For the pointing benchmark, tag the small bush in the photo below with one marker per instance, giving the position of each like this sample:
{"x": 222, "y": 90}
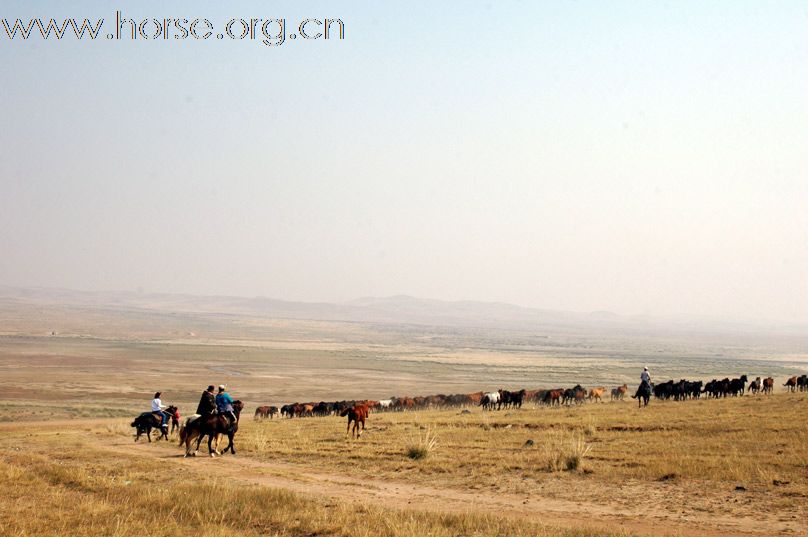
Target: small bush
{"x": 590, "y": 428}
{"x": 419, "y": 447}
{"x": 565, "y": 452}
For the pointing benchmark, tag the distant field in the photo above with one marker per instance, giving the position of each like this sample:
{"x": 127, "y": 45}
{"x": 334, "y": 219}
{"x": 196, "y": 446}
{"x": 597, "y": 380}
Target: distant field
{"x": 60, "y": 361}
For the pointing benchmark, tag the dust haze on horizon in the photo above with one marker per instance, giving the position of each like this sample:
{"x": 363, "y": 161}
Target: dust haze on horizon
{"x": 640, "y": 158}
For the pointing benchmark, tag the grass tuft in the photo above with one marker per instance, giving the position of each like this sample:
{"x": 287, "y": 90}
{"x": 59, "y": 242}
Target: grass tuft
{"x": 565, "y": 451}
{"x": 421, "y": 446}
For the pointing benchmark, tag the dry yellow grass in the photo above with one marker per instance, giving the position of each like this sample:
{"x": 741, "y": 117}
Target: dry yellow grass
{"x": 66, "y": 488}
{"x": 676, "y": 463}
{"x": 749, "y": 440}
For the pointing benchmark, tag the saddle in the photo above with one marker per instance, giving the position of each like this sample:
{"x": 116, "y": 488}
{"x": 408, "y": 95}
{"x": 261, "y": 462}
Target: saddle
{"x": 229, "y": 420}
{"x": 159, "y": 417}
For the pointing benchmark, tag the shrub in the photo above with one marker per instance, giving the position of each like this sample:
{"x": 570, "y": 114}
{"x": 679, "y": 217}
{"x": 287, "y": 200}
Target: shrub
{"x": 565, "y": 452}
{"x": 419, "y": 447}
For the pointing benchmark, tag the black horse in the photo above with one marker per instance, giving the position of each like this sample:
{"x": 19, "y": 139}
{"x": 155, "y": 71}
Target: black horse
{"x": 643, "y": 394}
{"x": 212, "y": 426}
{"x": 148, "y": 421}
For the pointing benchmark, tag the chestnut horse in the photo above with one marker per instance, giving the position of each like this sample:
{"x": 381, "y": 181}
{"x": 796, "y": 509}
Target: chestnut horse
{"x": 553, "y": 397}
{"x": 597, "y": 393}
{"x": 619, "y": 393}
{"x": 356, "y": 414}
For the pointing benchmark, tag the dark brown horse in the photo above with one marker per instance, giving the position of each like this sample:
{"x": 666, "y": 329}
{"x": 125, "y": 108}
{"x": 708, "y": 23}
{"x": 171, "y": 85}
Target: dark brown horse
{"x": 553, "y": 397}
{"x": 148, "y": 421}
{"x": 356, "y": 414}
{"x": 266, "y": 412}
{"x": 212, "y": 426}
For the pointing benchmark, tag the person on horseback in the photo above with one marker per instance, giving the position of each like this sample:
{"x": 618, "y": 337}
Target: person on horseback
{"x": 645, "y": 383}
{"x": 207, "y": 403}
{"x": 157, "y": 407}
{"x": 224, "y": 404}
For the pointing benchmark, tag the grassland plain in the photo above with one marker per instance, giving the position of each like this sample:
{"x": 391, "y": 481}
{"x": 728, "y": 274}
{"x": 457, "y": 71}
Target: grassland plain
{"x": 64, "y": 375}
{"x": 733, "y": 466}
{"x": 71, "y": 378}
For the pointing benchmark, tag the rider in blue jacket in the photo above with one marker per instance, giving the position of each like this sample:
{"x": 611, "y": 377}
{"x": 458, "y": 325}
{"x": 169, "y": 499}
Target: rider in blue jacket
{"x": 224, "y": 404}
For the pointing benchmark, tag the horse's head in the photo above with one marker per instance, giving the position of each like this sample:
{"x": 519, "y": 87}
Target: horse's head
{"x": 238, "y": 406}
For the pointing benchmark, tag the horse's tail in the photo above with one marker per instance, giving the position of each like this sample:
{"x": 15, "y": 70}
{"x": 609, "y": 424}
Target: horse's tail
{"x": 182, "y": 434}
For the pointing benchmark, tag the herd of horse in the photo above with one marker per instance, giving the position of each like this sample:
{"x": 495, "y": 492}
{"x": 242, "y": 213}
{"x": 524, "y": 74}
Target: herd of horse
{"x": 797, "y": 383}
{"x": 214, "y": 426}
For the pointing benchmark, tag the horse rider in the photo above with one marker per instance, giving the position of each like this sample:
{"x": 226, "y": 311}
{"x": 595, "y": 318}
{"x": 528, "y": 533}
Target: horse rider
{"x": 224, "y": 404}
{"x": 157, "y": 407}
{"x": 207, "y": 403}
{"x": 645, "y": 379}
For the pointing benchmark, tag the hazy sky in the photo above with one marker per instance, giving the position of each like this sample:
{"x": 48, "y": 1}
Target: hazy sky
{"x": 630, "y": 156}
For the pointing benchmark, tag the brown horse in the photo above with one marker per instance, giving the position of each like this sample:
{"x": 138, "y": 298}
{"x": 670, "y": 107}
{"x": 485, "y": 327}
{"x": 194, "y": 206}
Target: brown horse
{"x": 212, "y": 426}
{"x": 266, "y": 412}
{"x": 553, "y": 397}
{"x": 356, "y": 414}
{"x": 768, "y": 385}
{"x": 791, "y": 384}
{"x": 619, "y": 393}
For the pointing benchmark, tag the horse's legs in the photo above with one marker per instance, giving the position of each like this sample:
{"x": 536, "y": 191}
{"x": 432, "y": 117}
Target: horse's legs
{"x": 188, "y": 439}
{"x": 199, "y": 441}
{"x": 210, "y": 445}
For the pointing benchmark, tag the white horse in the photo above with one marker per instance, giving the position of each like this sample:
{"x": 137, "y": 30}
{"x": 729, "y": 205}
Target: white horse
{"x": 489, "y": 400}
{"x": 385, "y": 404}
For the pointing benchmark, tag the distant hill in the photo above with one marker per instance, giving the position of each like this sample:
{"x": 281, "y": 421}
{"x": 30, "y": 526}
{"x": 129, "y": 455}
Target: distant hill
{"x": 399, "y": 309}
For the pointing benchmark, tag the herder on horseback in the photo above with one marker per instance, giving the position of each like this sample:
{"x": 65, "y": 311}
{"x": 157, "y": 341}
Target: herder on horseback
{"x": 224, "y": 405}
{"x": 223, "y": 419}
{"x": 157, "y": 407}
{"x": 207, "y": 403}
{"x": 644, "y": 390}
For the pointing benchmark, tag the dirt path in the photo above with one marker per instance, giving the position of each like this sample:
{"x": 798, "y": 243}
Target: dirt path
{"x": 639, "y": 518}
